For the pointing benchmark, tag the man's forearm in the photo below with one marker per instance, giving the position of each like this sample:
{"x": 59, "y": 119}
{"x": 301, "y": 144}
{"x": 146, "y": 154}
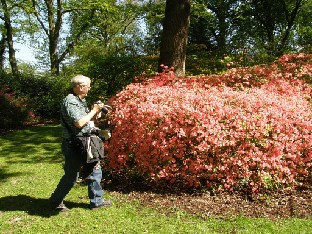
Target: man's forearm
{"x": 84, "y": 120}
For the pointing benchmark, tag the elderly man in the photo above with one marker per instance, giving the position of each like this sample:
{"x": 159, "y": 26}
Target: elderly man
{"x": 76, "y": 120}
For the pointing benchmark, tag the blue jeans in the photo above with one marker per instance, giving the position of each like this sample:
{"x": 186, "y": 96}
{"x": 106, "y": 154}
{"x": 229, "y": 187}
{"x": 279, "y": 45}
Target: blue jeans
{"x": 73, "y": 163}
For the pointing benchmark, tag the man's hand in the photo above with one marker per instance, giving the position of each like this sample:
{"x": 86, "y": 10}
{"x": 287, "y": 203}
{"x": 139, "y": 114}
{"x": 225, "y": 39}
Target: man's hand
{"x": 97, "y": 107}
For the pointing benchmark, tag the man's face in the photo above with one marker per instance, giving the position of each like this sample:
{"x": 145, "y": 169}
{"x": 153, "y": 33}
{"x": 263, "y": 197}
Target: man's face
{"x": 84, "y": 89}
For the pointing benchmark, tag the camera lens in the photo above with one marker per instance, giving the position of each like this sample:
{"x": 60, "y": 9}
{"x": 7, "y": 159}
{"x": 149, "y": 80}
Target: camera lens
{"x": 104, "y": 110}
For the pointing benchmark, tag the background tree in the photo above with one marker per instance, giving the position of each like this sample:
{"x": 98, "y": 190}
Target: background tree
{"x": 115, "y": 29}
{"x": 223, "y": 12}
{"x": 270, "y": 24}
{"x": 303, "y": 28}
{"x": 49, "y": 16}
{"x": 8, "y": 28}
{"x": 111, "y": 50}
{"x": 255, "y": 30}
{"x": 153, "y": 15}
{"x": 174, "y": 35}
{"x": 2, "y": 51}
{"x": 62, "y": 31}
{"x": 200, "y": 24}
{"x": 211, "y": 24}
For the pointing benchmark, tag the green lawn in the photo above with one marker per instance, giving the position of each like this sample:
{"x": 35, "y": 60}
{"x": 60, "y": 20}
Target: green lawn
{"x": 30, "y": 168}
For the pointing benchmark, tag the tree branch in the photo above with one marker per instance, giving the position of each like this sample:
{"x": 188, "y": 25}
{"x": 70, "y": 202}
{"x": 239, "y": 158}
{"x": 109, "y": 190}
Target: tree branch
{"x": 76, "y": 38}
{"x": 38, "y": 18}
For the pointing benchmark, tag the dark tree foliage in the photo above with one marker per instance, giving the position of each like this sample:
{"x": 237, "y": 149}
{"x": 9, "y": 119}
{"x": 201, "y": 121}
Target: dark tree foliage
{"x": 262, "y": 30}
{"x": 276, "y": 19}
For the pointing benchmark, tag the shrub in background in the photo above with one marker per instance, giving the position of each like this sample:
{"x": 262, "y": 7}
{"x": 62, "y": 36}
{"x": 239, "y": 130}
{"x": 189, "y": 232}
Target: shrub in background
{"x": 110, "y": 73}
{"x": 46, "y": 94}
{"x": 13, "y": 111}
{"x": 41, "y": 94}
{"x": 199, "y": 61}
{"x": 247, "y": 129}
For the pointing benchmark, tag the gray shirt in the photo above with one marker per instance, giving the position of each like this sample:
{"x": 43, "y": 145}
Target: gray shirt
{"x": 73, "y": 109}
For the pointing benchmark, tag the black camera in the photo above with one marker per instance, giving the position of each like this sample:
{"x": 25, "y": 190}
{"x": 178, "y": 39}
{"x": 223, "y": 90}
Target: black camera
{"x": 105, "y": 108}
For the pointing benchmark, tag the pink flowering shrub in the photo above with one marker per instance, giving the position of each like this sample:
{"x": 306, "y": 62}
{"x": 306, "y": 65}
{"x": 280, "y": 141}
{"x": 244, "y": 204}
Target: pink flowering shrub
{"x": 249, "y": 128}
{"x": 14, "y": 112}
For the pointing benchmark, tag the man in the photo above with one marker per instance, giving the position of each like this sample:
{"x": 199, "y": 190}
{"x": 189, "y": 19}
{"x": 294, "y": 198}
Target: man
{"x": 76, "y": 120}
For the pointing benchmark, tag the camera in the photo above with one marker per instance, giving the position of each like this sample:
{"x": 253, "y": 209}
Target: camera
{"x": 105, "y": 108}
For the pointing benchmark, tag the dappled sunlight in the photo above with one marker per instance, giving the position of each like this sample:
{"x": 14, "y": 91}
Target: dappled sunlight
{"x": 5, "y": 174}
{"x": 32, "y": 145}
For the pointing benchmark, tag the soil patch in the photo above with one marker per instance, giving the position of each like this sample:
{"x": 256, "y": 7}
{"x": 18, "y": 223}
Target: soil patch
{"x": 283, "y": 203}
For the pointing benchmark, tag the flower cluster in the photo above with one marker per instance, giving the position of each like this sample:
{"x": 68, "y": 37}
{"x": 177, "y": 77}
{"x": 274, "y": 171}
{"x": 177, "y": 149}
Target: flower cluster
{"x": 249, "y": 128}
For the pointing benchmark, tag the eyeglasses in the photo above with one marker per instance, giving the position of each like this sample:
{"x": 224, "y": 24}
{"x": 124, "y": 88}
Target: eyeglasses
{"x": 88, "y": 86}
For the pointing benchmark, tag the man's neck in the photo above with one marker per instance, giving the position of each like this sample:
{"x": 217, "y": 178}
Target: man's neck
{"x": 81, "y": 96}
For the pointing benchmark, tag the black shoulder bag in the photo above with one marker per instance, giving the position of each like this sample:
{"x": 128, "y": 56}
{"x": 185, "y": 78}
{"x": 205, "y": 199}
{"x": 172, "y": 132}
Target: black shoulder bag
{"x": 91, "y": 144}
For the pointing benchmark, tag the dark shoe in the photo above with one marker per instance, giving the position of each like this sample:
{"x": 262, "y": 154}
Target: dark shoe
{"x": 105, "y": 204}
{"x": 60, "y": 207}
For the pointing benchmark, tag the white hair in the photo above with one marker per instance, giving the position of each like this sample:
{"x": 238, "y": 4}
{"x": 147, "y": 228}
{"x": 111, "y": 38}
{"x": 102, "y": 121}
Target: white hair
{"x": 80, "y": 79}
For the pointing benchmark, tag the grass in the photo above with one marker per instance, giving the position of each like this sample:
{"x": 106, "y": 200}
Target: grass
{"x": 30, "y": 168}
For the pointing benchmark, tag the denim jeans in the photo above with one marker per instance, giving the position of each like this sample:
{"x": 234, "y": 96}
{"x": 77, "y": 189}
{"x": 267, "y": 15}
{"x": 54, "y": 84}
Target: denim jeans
{"x": 73, "y": 162}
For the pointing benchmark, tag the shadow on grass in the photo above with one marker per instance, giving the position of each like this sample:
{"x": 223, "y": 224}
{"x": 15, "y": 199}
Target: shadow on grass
{"x": 33, "y": 206}
{"x": 4, "y": 175}
{"x": 32, "y": 145}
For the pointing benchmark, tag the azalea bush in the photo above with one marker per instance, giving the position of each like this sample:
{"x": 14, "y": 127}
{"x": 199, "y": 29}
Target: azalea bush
{"x": 14, "y": 110}
{"x": 247, "y": 129}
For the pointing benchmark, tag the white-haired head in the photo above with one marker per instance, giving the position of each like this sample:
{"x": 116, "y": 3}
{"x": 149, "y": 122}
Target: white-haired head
{"x": 80, "y": 80}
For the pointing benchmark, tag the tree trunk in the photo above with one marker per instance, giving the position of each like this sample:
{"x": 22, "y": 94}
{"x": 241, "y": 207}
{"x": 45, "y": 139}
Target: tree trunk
{"x": 52, "y": 28}
{"x": 290, "y": 16}
{"x": 2, "y": 51}
{"x": 221, "y": 39}
{"x": 9, "y": 37}
{"x": 221, "y": 10}
{"x": 174, "y": 36}
{"x": 55, "y": 22}
{"x": 276, "y": 18}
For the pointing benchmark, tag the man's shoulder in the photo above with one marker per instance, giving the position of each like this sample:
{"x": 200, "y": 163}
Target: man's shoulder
{"x": 70, "y": 98}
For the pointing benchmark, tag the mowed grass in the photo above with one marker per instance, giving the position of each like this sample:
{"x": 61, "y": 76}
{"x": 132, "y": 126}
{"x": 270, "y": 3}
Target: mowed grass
{"x": 30, "y": 168}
